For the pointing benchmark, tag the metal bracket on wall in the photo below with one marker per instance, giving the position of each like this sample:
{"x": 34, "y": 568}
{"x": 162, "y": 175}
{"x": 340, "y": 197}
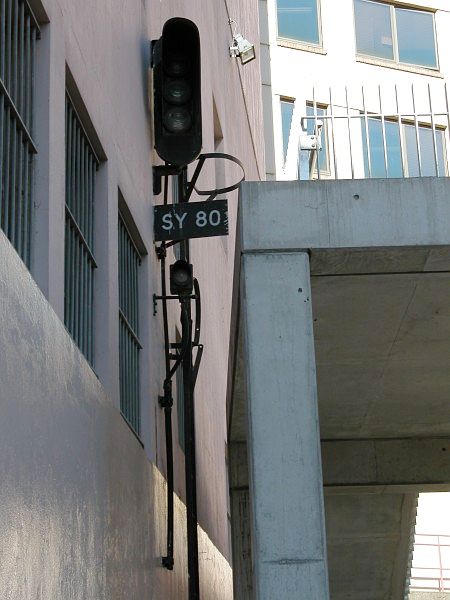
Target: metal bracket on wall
{"x": 161, "y": 171}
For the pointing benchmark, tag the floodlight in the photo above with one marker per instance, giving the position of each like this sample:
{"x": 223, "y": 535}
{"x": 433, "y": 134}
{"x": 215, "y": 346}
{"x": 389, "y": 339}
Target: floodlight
{"x": 241, "y": 47}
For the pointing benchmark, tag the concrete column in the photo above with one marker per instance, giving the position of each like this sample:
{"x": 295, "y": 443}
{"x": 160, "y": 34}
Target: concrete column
{"x": 286, "y": 495}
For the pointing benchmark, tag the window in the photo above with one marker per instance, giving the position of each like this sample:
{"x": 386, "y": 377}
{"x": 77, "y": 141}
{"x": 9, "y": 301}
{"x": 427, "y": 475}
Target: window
{"x": 403, "y": 145}
{"x": 287, "y": 110}
{"x": 299, "y": 20}
{"x": 401, "y": 35}
{"x": 18, "y": 33}
{"x": 129, "y": 344}
{"x": 81, "y": 167}
{"x": 322, "y": 155}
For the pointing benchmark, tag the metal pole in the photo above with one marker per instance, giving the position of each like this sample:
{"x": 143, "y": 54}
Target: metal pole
{"x": 189, "y": 426}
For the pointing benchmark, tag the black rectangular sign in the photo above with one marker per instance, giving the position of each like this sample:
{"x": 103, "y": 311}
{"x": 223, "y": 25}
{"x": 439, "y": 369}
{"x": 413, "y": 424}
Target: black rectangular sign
{"x": 190, "y": 220}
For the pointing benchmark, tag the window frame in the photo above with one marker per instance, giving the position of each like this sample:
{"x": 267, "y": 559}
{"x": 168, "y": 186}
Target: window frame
{"x": 401, "y": 126}
{"x": 395, "y": 62}
{"x": 441, "y": 129}
{"x": 319, "y": 172}
{"x": 290, "y": 101}
{"x": 302, "y": 44}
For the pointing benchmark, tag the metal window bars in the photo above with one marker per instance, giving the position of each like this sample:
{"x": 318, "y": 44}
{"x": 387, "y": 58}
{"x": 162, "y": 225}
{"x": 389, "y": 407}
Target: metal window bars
{"x": 358, "y": 134}
{"x": 129, "y": 343}
{"x": 81, "y": 167}
{"x": 19, "y": 31}
{"x": 433, "y": 574}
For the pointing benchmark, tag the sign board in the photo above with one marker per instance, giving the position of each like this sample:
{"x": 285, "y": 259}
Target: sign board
{"x": 190, "y": 220}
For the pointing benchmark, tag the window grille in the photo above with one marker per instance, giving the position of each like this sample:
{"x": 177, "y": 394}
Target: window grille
{"x": 129, "y": 344}
{"x": 18, "y": 33}
{"x": 81, "y": 167}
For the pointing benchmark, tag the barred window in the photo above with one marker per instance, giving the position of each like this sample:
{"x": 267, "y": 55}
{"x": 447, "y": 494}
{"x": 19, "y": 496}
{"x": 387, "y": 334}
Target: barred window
{"x": 81, "y": 167}
{"x": 129, "y": 344}
{"x": 18, "y": 33}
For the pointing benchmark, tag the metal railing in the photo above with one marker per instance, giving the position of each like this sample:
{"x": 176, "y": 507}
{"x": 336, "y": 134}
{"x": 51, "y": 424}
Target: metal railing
{"x": 435, "y": 574}
{"x": 369, "y": 131}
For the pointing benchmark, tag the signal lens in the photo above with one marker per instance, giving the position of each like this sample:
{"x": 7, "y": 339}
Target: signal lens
{"x": 176, "y": 65}
{"x": 177, "y": 120}
{"x": 177, "y": 91}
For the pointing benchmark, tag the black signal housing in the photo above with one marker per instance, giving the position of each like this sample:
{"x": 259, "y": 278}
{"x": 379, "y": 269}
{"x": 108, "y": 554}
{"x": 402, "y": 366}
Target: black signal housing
{"x": 177, "y": 92}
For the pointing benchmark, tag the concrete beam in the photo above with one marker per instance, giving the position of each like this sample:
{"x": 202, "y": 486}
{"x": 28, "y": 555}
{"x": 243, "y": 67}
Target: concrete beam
{"x": 345, "y": 214}
{"x": 417, "y": 462}
{"x": 403, "y": 465}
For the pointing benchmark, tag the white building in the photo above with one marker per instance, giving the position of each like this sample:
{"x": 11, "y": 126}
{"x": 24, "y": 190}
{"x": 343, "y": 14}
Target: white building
{"x": 373, "y": 72}
{"x": 83, "y": 500}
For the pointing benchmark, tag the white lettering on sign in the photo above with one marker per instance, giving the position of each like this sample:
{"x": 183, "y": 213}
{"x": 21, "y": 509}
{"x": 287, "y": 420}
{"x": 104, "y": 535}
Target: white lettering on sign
{"x": 181, "y": 219}
{"x": 184, "y": 221}
{"x": 214, "y": 218}
{"x": 175, "y": 220}
{"x": 167, "y": 220}
{"x": 201, "y": 221}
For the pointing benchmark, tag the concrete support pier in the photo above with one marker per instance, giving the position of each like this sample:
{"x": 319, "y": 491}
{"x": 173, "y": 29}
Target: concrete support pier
{"x": 286, "y": 491}
{"x": 374, "y": 338}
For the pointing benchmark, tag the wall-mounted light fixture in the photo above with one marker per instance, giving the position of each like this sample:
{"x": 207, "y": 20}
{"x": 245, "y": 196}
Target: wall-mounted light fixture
{"x": 241, "y": 47}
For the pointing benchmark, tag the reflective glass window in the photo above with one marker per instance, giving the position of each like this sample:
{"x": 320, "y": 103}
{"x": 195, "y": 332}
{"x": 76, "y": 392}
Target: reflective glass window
{"x": 389, "y": 32}
{"x": 415, "y": 35}
{"x": 298, "y": 20}
{"x": 392, "y": 165}
{"x": 374, "y": 29}
{"x": 287, "y": 110}
{"x": 427, "y": 155}
{"x": 381, "y": 166}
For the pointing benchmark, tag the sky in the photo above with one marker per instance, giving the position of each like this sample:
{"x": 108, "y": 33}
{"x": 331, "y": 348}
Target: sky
{"x": 433, "y": 518}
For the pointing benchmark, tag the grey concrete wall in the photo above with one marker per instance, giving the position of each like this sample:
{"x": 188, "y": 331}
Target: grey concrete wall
{"x": 84, "y": 505}
{"x": 82, "y": 510}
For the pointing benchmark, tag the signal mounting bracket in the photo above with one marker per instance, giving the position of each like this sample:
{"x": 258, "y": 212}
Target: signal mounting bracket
{"x": 161, "y": 171}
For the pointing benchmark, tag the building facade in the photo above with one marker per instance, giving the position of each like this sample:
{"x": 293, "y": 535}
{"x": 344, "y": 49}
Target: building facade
{"x": 84, "y": 493}
{"x": 368, "y": 78}
{"x": 331, "y": 445}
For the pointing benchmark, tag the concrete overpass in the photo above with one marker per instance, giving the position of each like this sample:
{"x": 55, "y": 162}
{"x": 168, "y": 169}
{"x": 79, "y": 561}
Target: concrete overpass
{"x": 342, "y": 296}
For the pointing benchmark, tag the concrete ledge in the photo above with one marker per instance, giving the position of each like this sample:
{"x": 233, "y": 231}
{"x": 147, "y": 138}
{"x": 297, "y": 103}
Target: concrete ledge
{"x": 345, "y": 214}
{"x": 399, "y": 465}
{"x": 429, "y": 596}
{"x": 416, "y": 462}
